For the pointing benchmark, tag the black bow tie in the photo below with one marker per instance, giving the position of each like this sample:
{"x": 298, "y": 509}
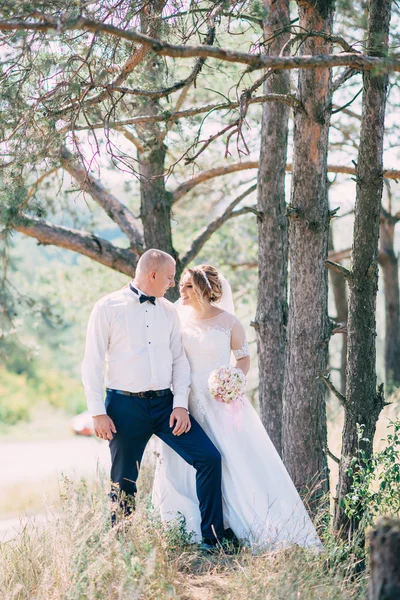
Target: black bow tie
{"x": 143, "y": 297}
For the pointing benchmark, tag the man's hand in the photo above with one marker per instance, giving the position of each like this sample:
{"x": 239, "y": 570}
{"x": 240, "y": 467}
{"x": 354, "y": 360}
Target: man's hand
{"x": 180, "y": 417}
{"x": 104, "y": 427}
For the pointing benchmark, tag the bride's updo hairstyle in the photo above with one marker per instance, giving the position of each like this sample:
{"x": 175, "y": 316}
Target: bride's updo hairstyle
{"x": 206, "y": 283}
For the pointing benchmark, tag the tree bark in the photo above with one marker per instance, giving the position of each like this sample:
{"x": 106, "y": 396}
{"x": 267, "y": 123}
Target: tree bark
{"x": 340, "y": 294}
{"x": 384, "y": 582}
{"x": 271, "y": 315}
{"x": 155, "y": 202}
{"x": 304, "y": 411}
{"x": 363, "y": 401}
{"x": 390, "y": 269}
{"x": 155, "y": 206}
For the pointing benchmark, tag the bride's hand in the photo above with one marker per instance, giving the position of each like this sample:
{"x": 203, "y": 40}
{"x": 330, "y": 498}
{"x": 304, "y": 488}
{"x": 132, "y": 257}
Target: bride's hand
{"x": 180, "y": 417}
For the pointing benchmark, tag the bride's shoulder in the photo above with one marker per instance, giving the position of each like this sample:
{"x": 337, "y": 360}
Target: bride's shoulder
{"x": 229, "y": 320}
{"x": 227, "y": 317}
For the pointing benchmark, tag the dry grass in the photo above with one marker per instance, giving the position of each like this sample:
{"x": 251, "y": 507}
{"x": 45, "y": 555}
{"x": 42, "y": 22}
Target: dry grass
{"x": 75, "y": 555}
{"x": 27, "y": 497}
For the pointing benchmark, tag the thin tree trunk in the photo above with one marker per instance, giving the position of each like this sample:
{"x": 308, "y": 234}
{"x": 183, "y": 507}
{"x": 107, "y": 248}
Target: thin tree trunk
{"x": 340, "y": 294}
{"x": 390, "y": 269}
{"x": 271, "y": 312}
{"x": 304, "y": 411}
{"x": 364, "y": 402}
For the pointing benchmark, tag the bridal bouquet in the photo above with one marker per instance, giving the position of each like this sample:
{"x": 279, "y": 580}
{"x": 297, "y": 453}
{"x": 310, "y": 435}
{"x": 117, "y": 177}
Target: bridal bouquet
{"x": 227, "y": 384}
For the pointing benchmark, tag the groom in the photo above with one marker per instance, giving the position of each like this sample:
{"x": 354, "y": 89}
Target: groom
{"x": 137, "y": 332}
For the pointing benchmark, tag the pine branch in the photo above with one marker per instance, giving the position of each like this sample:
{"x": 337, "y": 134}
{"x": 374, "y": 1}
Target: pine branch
{"x": 184, "y": 188}
{"x": 132, "y": 62}
{"x": 130, "y": 137}
{"x": 246, "y": 210}
{"x": 339, "y": 327}
{"x": 228, "y": 14}
{"x": 326, "y": 379}
{"x": 191, "y": 112}
{"x": 207, "y": 232}
{"x": 255, "y": 61}
{"x": 154, "y": 94}
{"x": 332, "y": 456}
{"x": 329, "y": 264}
{"x": 89, "y": 245}
{"x": 117, "y": 211}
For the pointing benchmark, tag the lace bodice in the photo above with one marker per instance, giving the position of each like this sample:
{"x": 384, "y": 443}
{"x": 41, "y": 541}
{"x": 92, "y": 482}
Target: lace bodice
{"x": 207, "y": 342}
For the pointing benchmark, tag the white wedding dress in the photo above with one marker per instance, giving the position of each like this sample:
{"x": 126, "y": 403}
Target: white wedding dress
{"x": 260, "y": 503}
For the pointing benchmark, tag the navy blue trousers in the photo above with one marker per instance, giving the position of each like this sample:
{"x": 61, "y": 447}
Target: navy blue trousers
{"x": 136, "y": 420}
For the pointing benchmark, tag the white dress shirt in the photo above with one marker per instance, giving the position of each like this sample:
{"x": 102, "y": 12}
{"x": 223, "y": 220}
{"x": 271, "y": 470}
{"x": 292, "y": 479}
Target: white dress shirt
{"x": 141, "y": 346}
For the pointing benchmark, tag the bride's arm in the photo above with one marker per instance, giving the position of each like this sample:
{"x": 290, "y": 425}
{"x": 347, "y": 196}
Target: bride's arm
{"x": 240, "y": 347}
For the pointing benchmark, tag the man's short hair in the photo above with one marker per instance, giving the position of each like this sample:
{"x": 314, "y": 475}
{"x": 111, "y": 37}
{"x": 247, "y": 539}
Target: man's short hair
{"x": 153, "y": 260}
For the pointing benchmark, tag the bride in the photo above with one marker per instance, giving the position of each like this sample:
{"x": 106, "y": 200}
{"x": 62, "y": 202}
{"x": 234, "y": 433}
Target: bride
{"x": 261, "y": 505}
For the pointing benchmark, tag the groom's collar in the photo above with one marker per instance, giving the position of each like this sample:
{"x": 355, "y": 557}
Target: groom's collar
{"x": 139, "y": 291}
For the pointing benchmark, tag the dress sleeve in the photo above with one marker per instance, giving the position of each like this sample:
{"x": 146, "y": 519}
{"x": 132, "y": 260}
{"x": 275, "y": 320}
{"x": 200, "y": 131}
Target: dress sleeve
{"x": 239, "y": 345}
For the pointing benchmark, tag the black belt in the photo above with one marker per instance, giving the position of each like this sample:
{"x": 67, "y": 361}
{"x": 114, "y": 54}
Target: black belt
{"x": 148, "y": 394}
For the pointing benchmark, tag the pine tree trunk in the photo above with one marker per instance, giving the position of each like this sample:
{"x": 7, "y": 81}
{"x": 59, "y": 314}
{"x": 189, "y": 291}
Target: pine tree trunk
{"x": 390, "y": 266}
{"x": 155, "y": 202}
{"x": 340, "y": 294}
{"x": 364, "y": 402}
{"x": 271, "y": 312}
{"x": 304, "y": 411}
{"x": 155, "y": 207}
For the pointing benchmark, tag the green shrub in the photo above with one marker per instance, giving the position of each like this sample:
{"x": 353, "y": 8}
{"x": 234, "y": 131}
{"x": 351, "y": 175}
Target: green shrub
{"x": 16, "y": 398}
{"x": 59, "y": 390}
{"x": 376, "y": 480}
{"x": 20, "y": 394}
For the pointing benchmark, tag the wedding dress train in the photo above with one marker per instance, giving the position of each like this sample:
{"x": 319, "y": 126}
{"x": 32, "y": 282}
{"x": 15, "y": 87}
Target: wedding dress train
{"x": 260, "y": 502}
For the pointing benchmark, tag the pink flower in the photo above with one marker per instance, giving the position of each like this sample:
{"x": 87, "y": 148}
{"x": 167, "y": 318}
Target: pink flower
{"x": 227, "y": 384}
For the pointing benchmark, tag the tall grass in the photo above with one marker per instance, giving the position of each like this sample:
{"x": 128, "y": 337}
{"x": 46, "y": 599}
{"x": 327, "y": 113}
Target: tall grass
{"x": 76, "y": 555}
